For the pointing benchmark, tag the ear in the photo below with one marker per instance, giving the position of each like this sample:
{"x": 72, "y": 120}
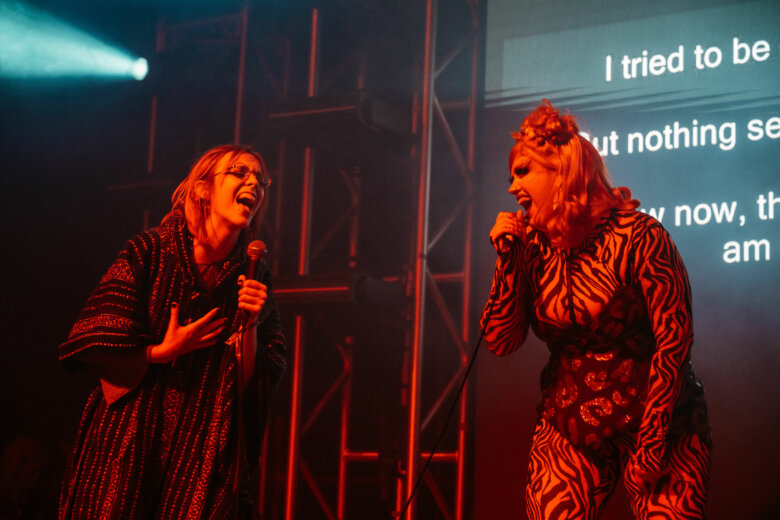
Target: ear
{"x": 202, "y": 190}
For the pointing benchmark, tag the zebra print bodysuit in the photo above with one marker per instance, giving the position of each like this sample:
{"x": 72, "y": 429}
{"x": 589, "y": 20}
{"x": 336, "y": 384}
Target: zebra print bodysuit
{"x": 615, "y": 313}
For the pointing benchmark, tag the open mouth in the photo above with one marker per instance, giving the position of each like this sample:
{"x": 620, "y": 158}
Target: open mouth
{"x": 524, "y": 201}
{"x": 246, "y": 199}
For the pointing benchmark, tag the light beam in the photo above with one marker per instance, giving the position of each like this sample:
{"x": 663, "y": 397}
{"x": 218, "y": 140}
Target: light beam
{"x": 34, "y": 44}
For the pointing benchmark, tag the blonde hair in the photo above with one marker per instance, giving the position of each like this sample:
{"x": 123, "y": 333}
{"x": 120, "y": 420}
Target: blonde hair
{"x": 582, "y": 191}
{"x": 187, "y": 204}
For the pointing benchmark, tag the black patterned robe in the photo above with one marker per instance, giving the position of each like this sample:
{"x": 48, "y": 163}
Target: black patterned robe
{"x": 160, "y": 440}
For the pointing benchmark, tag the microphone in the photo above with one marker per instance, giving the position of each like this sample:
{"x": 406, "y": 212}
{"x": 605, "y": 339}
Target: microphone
{"x": 255, "y": 251}
{"x": 506, "y": 241}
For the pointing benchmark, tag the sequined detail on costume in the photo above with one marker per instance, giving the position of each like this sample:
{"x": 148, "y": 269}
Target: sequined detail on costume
{"x": 619, "y": 399}
{"x": 567, "y": 393}
{"x": 597, "y": 381}
{"x": 600, "y": 406}
{"x": 624, "y": 371}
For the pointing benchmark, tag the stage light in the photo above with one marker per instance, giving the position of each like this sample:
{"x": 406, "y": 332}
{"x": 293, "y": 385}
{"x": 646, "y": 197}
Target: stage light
{"x": 140, "y": 68}
{"x": 34, "y": 44}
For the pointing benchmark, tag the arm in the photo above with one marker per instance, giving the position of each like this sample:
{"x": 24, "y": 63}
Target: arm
{"x": 263, "y": 341}
{"x": 252, "y": 297}
{"x": 506, "y": 316}
{"x": 660, "y": 272}
{"x": 182, "y": 339}
{"x": 109, "y": 335}
{"x": 269, "y": 366}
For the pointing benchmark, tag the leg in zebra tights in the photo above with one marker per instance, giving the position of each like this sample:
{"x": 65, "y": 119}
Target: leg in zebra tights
{"x": 681, "y": 494}
{"x": 565, "y": 483}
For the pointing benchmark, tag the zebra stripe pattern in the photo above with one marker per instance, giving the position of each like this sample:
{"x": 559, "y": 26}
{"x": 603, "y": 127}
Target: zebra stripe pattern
{"x": 615, "y": 313}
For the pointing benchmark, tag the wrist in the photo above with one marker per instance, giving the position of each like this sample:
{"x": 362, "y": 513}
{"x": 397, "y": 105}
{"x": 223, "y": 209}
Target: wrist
{"x": 153, "y": 354}
{"x": 251, "y": 324}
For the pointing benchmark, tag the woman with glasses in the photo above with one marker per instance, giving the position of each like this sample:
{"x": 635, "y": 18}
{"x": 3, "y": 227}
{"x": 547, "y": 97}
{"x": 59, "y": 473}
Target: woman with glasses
{"x": 603, "y": 285}
{"x": 160, "y": 436}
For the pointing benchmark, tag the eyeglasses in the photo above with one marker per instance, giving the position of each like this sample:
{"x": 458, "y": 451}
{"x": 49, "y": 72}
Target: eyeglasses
{"x": 243, "y": 172}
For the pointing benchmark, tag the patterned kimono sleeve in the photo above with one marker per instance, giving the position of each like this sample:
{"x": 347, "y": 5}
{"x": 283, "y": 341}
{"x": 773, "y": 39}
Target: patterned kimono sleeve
{"x": 109, "y": 335}
{"x": 506, "y": 316}
{"x": 661, "y": 274}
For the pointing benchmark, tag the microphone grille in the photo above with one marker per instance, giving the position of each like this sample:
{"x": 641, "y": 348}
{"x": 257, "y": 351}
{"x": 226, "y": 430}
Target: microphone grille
{"x": 256, "y": 249}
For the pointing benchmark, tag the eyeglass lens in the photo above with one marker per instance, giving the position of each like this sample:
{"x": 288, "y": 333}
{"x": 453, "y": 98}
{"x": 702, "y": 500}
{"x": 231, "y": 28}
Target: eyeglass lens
{"x": 244, "y": 172}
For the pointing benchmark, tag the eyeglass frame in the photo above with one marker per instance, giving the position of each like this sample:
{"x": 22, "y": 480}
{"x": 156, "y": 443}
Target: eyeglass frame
{"x": 264, "y": 181}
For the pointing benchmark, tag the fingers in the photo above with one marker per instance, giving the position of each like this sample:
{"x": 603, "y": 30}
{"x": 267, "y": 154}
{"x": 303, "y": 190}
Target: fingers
{"x": 206, "y": 317}
{"x": 204, "y": 326}
{"x": 252, "y": 295}
{"x": 207, "y": 340}
{"x": 252, "y": 305}
{"x": 201, "y": 329}
{"x": 208, "y": 327}
{"x": 203, "y": 333}
{"x": 174, "y": 315}
{"x": 181, "y": 339}
{"x": 507, "y": 223}
{"x": 510, "y": 220}
{"x": 211, "y": 335}
{"x": 251, "y": 284}
{"x": 253, "y": 288}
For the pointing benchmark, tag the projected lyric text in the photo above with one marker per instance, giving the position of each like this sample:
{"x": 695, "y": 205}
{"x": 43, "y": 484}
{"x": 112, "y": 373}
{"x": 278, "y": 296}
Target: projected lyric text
{"x": 700, "y": 132}
{"x": 677, "y": 135}
{"x": 755, "y": 249}
{"x": 628, "y": 67}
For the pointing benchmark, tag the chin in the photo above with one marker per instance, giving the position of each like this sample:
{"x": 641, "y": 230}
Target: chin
{"x": 536, "y": 223}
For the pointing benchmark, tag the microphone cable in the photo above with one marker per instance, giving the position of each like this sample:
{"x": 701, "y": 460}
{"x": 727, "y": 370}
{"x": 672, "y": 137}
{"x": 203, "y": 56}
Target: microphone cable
{"x": 451, "y": 411}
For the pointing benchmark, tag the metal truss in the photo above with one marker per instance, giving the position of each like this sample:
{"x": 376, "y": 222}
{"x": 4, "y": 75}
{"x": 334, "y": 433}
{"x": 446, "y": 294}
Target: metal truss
{"x": 227, "y": 28}
{"x": 314, "y": 291}
{"x": 438, "y": 123}
{"x": 443, "y": 126}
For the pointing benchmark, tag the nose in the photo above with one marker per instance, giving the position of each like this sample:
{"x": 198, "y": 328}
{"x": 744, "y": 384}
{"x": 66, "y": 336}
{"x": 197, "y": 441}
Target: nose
{"x": 514, "y": 187}
{"x": 251, "y": 180}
